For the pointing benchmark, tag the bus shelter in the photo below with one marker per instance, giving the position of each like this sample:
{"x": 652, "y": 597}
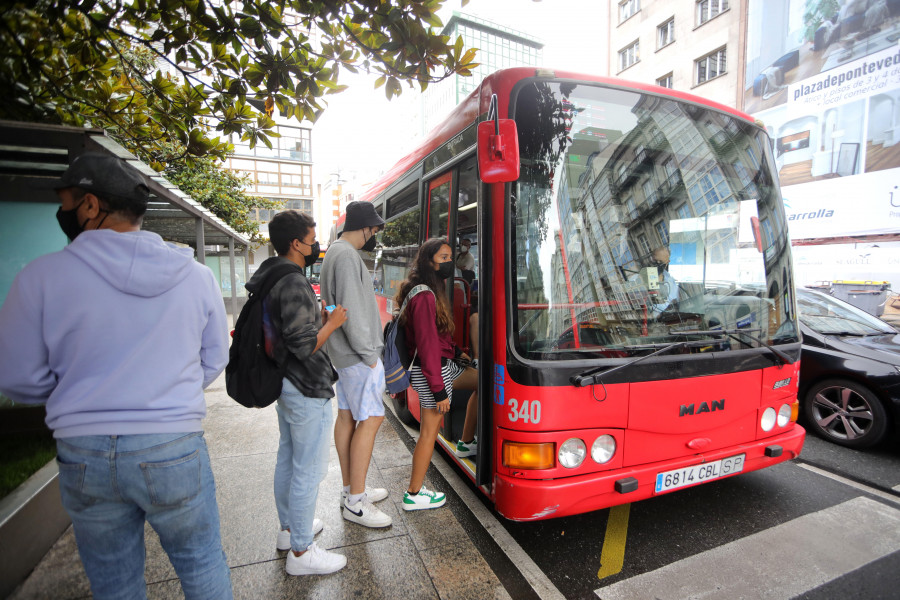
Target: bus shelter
{"x": 30, "y": 151}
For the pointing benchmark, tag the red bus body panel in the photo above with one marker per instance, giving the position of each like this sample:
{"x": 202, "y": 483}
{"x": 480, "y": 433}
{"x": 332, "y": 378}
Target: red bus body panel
{"x": 529, "y": 499}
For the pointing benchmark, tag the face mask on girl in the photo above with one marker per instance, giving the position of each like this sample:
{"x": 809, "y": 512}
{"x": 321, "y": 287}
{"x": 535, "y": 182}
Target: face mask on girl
{"x": 445, "y": 270}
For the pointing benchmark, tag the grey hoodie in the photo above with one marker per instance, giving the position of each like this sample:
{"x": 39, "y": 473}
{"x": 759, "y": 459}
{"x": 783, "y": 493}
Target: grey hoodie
{"x": 346, "y": 281}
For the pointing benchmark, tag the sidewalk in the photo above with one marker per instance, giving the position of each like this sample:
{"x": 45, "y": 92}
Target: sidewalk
{"x": 424, "y": 554}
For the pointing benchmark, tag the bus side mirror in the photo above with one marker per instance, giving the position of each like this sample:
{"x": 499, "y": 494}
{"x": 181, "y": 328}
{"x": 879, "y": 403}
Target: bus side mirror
{"x": 498, "y": 151}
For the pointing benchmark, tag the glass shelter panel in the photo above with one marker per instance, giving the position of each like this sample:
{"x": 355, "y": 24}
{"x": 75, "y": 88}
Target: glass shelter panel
{"x": 637, "y": 223}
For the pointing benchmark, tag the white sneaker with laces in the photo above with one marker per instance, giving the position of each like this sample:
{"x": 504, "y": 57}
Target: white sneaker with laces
{"x": 315, "y": 561}
{"x": 424, "y": 500}
{"x": 365, "y": 513}
{"x": 283, "y": 541}
{"x": 374, "y": 494}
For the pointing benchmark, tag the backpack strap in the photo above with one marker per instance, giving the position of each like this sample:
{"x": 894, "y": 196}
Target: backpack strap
{"x": 416, "y": 290}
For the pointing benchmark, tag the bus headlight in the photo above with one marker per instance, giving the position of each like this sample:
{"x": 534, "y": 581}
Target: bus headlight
{"x": 784, "y": 415}
{"x": 768, "y": 419}
{"x": 572, "y": 453}
{"x": 603, "y": 448}
{"x": 519, "y": 455}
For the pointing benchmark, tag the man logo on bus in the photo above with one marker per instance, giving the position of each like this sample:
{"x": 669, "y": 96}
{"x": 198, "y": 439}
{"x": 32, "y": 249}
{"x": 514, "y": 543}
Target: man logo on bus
{"x": 705, "y": 407}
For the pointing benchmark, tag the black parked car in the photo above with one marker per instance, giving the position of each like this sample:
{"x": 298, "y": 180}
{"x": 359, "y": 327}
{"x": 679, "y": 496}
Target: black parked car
{"x": 849, "y": 371}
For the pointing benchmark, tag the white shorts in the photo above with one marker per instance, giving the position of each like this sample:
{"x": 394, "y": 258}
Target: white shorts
{"x": 360, "y": 389}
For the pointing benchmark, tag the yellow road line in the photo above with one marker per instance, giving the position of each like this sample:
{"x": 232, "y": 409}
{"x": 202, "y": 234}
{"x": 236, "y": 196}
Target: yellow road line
{"x": 612, "y": 557}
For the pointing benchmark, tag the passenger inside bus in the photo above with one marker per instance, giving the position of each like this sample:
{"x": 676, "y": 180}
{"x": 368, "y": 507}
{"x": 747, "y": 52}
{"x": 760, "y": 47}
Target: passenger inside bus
{"x": 668, "y": 287}
{"x": 465, "y": 261}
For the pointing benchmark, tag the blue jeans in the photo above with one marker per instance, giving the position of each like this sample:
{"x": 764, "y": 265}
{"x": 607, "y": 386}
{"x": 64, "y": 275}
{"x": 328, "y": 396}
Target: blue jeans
{"x": 305, "y": 426}
{"x": 111, "y": 484}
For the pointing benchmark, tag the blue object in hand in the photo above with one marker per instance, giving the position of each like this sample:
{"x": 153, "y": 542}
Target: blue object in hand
{"x": 330, "y": 307}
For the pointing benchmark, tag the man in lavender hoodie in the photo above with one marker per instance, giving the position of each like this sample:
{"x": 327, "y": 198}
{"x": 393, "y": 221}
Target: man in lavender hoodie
{"x": 118, "y": 334}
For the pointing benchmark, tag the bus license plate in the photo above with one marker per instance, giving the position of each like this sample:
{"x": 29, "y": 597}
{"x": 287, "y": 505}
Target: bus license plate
{"x": 671, "y": 480}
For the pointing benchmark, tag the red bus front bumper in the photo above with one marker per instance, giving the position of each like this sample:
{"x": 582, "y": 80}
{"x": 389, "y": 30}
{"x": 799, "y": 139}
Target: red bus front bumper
{"x": 533, "y": 499}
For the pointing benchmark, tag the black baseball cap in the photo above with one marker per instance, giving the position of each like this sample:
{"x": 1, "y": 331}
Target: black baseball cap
{"x": 362, "y": 214}
{"x": 104, "y": 175}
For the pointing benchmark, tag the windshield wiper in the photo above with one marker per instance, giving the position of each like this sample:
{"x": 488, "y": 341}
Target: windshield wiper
{"x": 783, "y": 358}
{"x": 592, "y": 376}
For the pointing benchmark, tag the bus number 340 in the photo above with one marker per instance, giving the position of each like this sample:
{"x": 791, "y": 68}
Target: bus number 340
{"x": 528, "y": 412}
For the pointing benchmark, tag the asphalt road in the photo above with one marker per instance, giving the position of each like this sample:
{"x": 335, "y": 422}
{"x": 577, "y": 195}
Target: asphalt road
{"x": 824, "y": 526}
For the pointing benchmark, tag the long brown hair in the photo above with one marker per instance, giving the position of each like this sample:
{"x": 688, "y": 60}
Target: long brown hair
{"x": 422, "y": 271}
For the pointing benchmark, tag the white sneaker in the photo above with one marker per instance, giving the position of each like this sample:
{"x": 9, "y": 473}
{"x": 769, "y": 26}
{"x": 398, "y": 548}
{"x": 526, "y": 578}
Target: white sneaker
{"x": 374, "y": 494}
{"x": 283, "y": 541}
{"x": 315, "y": 561}
{"x": 425, "y": 499}
{"x": 466, "y": 449}
{"x": 365, "y": 513}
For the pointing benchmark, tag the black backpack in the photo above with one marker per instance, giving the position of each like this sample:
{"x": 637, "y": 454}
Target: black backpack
{"x": 395, "y": 356}
{"x": 252, "y": 377}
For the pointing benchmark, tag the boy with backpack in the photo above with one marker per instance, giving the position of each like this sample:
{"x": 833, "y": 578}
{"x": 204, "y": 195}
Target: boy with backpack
{"x": 356, "y": 352}
{"x": 295, "y": 332}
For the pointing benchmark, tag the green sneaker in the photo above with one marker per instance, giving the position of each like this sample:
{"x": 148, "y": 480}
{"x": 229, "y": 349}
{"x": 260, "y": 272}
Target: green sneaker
{"x": 424, "y": 500}
{"x": 466, "y": 449}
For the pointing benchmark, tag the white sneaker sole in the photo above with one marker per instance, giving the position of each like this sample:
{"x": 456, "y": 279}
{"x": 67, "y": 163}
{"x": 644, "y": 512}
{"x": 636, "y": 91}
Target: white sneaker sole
{"x": 366, "y": 521}
{"x": 317, "y": 571}
{"x": 425, "y": 506}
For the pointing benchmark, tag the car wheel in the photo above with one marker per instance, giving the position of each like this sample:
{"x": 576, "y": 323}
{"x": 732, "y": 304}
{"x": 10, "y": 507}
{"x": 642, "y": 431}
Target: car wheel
{"x": 846, "y": 413}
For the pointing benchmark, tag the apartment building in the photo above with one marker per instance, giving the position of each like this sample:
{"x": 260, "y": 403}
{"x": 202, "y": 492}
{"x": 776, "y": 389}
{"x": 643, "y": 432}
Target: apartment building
{"x": 695, "y": 46}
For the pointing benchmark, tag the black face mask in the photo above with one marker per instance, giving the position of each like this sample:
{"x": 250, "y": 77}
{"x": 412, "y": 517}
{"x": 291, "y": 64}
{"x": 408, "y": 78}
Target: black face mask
{"x": 313, "y": 254}
{"x": 445, "y": 270}
{"x": 369, "y": 245}
{"x": 68, "y": 221}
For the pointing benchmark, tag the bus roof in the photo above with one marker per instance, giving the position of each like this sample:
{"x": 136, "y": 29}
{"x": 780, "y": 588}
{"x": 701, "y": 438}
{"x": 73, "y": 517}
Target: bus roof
{"x": 501, "y": 83}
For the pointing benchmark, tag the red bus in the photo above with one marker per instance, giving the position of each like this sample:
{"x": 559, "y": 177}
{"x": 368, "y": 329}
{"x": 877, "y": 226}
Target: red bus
{"x": 314, "y": 272}
{"x": 637, "y": 328}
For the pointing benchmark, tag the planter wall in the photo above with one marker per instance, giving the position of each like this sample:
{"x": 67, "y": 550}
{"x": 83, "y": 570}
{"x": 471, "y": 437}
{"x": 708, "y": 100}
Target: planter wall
{"x": 31, "y": 520}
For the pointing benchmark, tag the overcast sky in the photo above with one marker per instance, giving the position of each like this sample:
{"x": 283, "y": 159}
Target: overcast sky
{"x": 358, "y": 131}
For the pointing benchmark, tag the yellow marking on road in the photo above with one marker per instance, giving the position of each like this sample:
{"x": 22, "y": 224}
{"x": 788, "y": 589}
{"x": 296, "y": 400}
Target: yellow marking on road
{"x": 612, "y": 557}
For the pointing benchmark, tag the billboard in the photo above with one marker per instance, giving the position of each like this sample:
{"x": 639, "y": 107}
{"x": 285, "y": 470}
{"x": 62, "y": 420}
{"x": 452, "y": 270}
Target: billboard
{"x": 824, "y": 77}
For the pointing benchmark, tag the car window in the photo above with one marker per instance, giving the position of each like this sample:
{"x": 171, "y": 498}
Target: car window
{"x": 829, "y": 316}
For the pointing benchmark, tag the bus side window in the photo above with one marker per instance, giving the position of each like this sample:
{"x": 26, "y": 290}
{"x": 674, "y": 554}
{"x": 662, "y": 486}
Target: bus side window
{"x": 399, "y": 240}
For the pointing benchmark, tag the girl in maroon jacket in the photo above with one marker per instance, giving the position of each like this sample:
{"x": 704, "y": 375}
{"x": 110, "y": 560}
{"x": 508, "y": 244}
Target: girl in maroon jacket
{"x": 428, "y": 325}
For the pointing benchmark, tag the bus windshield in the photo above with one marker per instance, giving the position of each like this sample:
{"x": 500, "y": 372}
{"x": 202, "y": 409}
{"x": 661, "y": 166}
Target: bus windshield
{"x": 639, "y": 220}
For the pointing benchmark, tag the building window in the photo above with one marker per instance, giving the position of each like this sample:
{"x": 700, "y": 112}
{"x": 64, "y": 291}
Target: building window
{"x": 628, "y": 8}
{"x": 662, "y": 231}
{"x": 629, "y": 55}
{"x": 665, "y": 33}
{"x": 665, "y": 81}
{"x": 711, "y": 66}
{"x": 707, "y": 9}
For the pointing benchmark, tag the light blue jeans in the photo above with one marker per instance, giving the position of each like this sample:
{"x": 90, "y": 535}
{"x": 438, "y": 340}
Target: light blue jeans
{"x": 302, "y": 464}
{"x": 111, "y": 484}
